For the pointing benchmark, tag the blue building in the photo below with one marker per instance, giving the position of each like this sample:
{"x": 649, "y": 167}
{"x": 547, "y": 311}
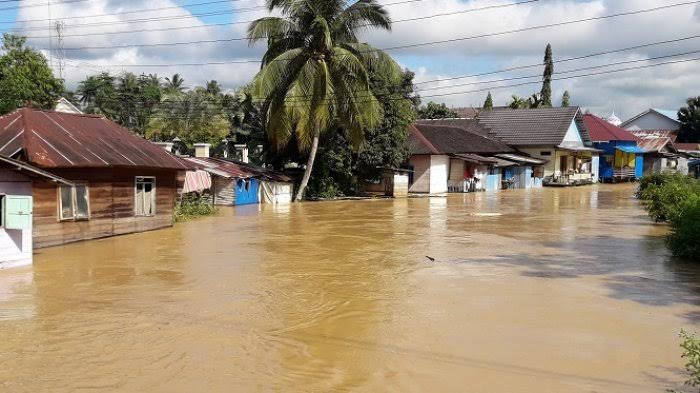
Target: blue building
{"x": 621, "y": 159}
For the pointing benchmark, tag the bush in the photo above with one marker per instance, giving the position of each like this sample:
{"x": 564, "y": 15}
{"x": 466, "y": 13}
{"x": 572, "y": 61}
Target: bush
{"x": 648, "y": 183}
{"x": 664, "y": 194}
{"x": 684, "y": 240}
{"x": 691, "y": 353}
{"x": 193, "y": 205}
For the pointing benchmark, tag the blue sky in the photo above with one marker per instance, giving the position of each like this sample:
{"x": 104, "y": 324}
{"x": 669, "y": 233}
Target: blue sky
{"x": 627, "y": 92}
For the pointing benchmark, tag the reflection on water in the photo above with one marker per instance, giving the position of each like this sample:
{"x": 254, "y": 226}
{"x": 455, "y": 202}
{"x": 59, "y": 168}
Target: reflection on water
{"x": 544, "y": 290}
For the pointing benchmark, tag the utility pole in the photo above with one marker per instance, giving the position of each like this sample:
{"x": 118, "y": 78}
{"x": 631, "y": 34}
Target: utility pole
{"x": 60, "y": 25}
{"x": 48, "y": 7}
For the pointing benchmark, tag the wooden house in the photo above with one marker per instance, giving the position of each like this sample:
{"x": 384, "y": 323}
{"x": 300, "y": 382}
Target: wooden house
{"x": 119, "y": 183}
{"x": 457, "y": 156}
{"x": 556, "y": 135}
{"x": 238, "y": 183}
{"x": 621, "y": 158}
{"x": 661, "y": 152}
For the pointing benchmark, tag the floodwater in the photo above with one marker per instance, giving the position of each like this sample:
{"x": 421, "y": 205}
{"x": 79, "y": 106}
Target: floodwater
{"x": 554, "y": 290}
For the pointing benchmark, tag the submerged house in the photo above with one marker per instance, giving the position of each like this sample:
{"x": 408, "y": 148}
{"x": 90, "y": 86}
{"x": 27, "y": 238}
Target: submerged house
{"x": 456, "y": 156}
{"x": 555, "y": 135}
{"x": 661, "y": 152}
{"x": 653, "y": 119}
{"x": 621, "y": 158}
{"x": 231, "y": 182}
{"x": 99, "y": 179}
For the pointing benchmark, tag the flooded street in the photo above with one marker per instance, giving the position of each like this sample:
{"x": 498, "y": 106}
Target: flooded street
{"x": 554, "y": 290}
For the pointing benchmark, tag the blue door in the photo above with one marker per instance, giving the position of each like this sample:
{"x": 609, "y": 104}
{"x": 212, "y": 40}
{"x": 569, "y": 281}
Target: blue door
{"x": 247, "y": 191}
{"x": 639, "y": 166}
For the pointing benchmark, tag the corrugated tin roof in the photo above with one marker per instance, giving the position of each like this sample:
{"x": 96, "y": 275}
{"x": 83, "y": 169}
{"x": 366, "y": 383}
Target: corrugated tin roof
{"x": 51, "y": 139}
{"x": 234, "y": 169}
{"x": 653, "y": 141}
{"x": 532, "y": 127}
{"x": 602, "y": 131}
{"x": 434, "y": 138}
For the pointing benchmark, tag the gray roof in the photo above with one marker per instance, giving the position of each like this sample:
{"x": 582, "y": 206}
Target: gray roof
{"x": 531, "y": 127}
{"x": 430, "y": 138}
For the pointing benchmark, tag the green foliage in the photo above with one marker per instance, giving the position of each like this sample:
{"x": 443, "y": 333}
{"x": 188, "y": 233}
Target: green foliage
{"x": 488, "y": 104}
{"x": 333, "y": 173}
{"x": 566, "y": 99}
{"x": 685, "y": 230}
{"x": 519, "y": 103}
{"x": 689, "y": 117}
{"x": 194, "y": 116}
{"x": 675, "y": 198}
{"x": 192, "y": 206}
{"x": 546, "y": 92}
{"x": 315, "y": 73}
{"x": 386, "y": 146}
{"x": 25, "y": 77}
{"x": 436, "y": 111}
{"x": 691, "y": 353}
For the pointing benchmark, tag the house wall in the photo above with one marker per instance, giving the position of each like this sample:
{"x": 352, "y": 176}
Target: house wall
{"x": 573, "y": 136}
{"x": 652, "y": 121}
{"x": 112, "y": 195}
{"x": 421, "y": 174}
{"x": 552, "y": 164}
{"x": 15, "y": 245}
{"x": 224, "y": 190}
{"x": 439, "y": 173}
{"x": 275, "y": 192}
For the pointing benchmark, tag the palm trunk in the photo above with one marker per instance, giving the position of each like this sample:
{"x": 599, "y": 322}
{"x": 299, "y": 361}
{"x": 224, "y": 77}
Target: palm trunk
{"x": 309, "y": 168}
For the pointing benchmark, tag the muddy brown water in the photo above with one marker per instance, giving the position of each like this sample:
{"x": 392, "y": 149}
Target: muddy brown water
{"x": 554, "y": 290}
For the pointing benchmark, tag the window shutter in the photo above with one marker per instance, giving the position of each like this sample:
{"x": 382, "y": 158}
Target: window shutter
{"x": 18, "y": 212}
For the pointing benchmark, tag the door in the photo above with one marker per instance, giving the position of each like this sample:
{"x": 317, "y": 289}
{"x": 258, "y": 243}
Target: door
{"x": 247, "y": 191}
{"x": 639, "y": 166}
{"x": 18, "y": 212}
{"x": 563, "y": 164}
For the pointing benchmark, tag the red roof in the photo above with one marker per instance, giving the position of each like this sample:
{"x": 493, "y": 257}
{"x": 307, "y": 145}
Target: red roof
{"x": 65, "y": 140}
{"x": 602, "y": 131}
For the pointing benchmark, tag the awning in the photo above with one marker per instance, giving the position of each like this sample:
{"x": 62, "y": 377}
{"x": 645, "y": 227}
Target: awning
{"x": 631, "y": 149}
{"x": 476, "y": 159}
{"x": 32, "y": 170}
{"x": 501, "y": 163}
{"x": 521, "y": 159}
{"x": 580, "y": 149}
{"x": 196, "y": 181}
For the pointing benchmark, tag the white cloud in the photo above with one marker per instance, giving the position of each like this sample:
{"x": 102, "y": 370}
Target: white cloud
{"x": 627, "y": 93}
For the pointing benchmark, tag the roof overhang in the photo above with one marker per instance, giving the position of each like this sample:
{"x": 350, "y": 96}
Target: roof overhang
{"x": 32, "y": 170}
{"x": 631, "y": 149}
{"x": 521, "y": 159}
{"x": 580, "y": 149}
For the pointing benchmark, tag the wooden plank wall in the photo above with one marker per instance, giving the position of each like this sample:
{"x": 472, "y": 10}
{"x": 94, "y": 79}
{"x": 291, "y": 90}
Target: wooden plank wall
{"x": 111, "y": 205}
{"x": 224, "y": 191}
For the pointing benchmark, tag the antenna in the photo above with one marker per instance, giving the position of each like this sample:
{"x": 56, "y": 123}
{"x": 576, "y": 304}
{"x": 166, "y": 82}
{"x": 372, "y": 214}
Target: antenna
{"x": 60, "y": 26}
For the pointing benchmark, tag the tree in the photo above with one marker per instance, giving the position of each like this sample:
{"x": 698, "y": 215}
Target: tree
{"x": 689, "y": 117}
{"x": 174, "y": 84}
{"x": 213, "y": 88}
{"x": 488, "y": 104}
{"x": 191, "y": 116}
{"x": 315, "y": 73}
{"x": 565, "y": 99}
{"x": 546, "y": 93}
{"x": 25, "y": 77}
{"x": 518, "y": 102}
{"x": 98, "y": 94}
{"x": 436, "y": 111}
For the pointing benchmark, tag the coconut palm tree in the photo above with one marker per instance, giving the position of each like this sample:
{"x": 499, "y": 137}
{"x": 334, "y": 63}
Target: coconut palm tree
{"x": 174, "y": 85}
{"x": 315, "y": 73}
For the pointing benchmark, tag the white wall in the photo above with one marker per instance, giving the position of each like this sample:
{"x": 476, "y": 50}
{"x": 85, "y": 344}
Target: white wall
{"x": 652, "y": 121}
{"x": 573, "y": 136}
{"x": 439, "y": 173}
{"x": 15, "y": 245}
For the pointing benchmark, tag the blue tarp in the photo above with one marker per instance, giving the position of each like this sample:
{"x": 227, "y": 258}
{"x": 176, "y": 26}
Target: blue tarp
{"x": 631, "y": 149}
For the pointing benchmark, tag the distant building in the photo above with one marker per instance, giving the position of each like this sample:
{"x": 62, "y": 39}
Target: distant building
{"x": 457, "y": 155}
{"x": 555, "y": 135}
{"x": 653, "y": 119}
{"x": 661, "y": 152}
{"x": 613, "y": 119}
{"x": 65, "y": 106}
{"x": 112, "y": 182}
{"x": 621, "y": 159}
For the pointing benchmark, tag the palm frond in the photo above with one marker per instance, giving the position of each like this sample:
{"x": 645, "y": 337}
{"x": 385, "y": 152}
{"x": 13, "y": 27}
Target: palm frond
{"x": 270, "y": 27}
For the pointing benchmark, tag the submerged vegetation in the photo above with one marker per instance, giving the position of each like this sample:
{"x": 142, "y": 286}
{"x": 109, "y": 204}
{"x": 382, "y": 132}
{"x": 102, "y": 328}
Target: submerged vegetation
{"x": 691, "y": 353}
{"x": 192, "y": 206}
{"x": 675, "y": 199}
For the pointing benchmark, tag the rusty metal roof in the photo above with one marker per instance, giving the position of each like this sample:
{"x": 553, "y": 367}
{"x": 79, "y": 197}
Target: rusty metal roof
{"x": 234, "y": 169}
{"x": 51, "y": 139}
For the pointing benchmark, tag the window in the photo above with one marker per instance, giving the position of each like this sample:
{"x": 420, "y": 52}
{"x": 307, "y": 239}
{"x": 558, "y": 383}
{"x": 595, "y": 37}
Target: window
{"x": 545, "y": 153}
{"x": 74, "y": 202}
{"x": 145, "y": 203}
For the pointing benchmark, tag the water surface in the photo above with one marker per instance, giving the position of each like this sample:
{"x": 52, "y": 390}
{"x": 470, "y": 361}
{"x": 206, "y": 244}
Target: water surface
{"x": 561, "y": 290}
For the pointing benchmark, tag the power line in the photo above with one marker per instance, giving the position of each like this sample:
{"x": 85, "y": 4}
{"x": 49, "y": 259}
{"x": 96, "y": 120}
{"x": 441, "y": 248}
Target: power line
{"x": 299, "y": 99}
{"x": 485, "y": 35}
{"x": 211, "y": 13}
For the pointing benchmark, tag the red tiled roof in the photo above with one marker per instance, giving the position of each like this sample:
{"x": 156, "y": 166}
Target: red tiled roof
{"x": 602, "y": 131}
{"x": 64, "y": 140}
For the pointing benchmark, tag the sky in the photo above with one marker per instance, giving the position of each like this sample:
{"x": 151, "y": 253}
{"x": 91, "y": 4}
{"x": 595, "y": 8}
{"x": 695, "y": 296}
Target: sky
{"x": 98, "y": 35}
